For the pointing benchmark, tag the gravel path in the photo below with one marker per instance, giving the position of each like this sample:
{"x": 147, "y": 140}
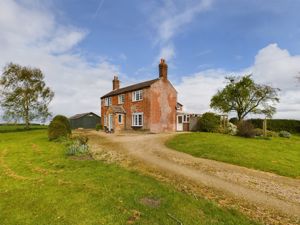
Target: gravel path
{"x": 264, "y": 190}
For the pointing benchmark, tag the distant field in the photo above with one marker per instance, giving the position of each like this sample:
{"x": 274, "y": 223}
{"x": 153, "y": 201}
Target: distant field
{"x": 279, "y": 155}
{"x": 5, "y": 128}
{"x": 40, "y": 185}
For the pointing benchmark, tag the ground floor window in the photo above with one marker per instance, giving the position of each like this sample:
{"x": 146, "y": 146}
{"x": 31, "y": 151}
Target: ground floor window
{"x": 105, "y": 120}
{"x": 137, "y": 119}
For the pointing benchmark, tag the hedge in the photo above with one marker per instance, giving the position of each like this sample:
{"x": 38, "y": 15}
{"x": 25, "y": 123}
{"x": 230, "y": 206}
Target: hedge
{"x": 292, "y": 126}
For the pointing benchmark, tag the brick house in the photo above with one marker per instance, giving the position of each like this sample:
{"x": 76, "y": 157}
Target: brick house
{"x": 150, "y": 105}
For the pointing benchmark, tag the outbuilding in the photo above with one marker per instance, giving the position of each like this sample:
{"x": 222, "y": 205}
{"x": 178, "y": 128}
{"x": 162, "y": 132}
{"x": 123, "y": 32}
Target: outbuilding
{"x": 85, "y": 120}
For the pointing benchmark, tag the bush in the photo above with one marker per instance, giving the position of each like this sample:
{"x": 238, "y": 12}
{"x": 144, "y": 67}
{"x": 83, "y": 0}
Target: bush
{"x": 209, "y": 122}
{"x": 83, "y": 140}
{"x": 78, "y": 146}
{"x": 259, "y": 133}
{"x": 98, "y": 127}
{"x": 57, "y": 130}
{"x": 245, "y": 129}
{"x": 64, "y": 120}
{"x": 271, "y": 134}
{"x": 284, "y": 134}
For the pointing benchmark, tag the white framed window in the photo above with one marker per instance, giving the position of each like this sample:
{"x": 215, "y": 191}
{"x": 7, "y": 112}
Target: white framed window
{"x": 120, "y": 118}
{"x": 105, "y": 121}
{"x": 137, "y": 95}
{"x": 137, "y": 119}
{"x": 121, "y": 99}
{"x": 107, "y": 101}
{"x": 186, "y": 118}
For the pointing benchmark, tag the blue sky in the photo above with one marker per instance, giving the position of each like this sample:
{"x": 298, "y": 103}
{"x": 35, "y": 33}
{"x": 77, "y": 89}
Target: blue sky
{"x": 226, "y": 35}
{"x": 80, "y": 45}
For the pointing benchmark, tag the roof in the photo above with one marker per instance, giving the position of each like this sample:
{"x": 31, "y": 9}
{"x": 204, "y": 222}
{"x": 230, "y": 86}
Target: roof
{"x": 117, "y": 109}
{"x": 131, "y": 88}
{"x": 77, "y": 116}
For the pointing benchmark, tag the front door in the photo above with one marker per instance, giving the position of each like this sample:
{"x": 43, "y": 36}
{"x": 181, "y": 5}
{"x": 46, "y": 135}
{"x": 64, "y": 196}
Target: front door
{"x": 110, "y": 122}
{"x": 179, "y": 123}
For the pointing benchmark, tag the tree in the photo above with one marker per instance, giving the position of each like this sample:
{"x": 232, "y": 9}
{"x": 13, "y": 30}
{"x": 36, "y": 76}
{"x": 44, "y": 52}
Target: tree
{"x": 24, "y": 94}
{"x": 243, "y": 96}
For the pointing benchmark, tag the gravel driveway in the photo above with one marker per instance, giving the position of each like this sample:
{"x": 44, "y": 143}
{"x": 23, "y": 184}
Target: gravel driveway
{"x": 270, "y": 198}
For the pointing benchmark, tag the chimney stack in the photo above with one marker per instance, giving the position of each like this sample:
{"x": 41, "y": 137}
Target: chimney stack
{"x": 116, "y": 83}
{"x": 163, "y": 69}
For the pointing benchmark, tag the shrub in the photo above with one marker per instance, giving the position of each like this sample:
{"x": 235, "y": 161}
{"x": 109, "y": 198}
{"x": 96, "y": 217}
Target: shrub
{"x": 98, "y": 127}
{"x": 258, "y": 132}
{"x": 284, "y": 134}
{"x": 64, "y": 120}
{"x": 271, "y": 134}
{"x": 77, "y": 146}
{"x": 209, "y": 122}
{"x": 57, "y": 130}
{"x": 245, "y": 129}
{"x": 83, "y": 140}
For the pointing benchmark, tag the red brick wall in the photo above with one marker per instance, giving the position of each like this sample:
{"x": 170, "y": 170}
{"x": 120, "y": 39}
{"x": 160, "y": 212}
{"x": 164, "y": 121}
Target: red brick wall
{"x": 163, "y": 107}
{"x": 131, "y": 107}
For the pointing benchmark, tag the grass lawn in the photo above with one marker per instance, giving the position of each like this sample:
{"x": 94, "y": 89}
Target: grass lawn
{"x": 278, "y": 155}
{"x": 40, "y": 185}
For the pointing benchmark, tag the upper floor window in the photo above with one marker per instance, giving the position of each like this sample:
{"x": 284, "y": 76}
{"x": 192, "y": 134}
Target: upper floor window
{"x": 107, "y": 101}
{"x": 137, "y": 119}
{"x": 137, "y": 95}
{"x": 121, "y": 99}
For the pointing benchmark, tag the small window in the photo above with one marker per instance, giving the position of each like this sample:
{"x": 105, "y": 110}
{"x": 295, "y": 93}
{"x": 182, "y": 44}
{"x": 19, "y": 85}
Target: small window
{"x": 121, "y": 99}
{"x": 120, "y": 119}
{"x": 107, "y": 101}
{"x": 137, "y": 119}
{"x": 137, "y": 95}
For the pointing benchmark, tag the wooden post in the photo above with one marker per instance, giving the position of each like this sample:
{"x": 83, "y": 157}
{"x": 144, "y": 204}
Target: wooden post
{"x": 265, "y": 127}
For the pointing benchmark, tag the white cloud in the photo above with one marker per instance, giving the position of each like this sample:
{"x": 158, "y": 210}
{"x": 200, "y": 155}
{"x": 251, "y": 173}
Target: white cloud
{"x": 273, "y": 66}
{"x": 169, "y": 18}
{"x": 167, "y": 52}
{"x": 30, "y": 35}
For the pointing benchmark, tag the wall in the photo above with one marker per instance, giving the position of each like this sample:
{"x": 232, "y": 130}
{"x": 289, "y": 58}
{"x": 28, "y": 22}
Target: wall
{"x": 163, "y": 107}
{"x": 131, "y": 107}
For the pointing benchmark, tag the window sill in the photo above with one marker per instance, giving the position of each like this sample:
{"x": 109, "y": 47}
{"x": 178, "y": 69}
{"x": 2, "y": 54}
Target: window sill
{"x": 137, "y": 100}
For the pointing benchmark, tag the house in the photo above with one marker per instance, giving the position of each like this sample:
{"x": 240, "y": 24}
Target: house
{"x": 85, "y": 120}
{"x": 151, "y": 105}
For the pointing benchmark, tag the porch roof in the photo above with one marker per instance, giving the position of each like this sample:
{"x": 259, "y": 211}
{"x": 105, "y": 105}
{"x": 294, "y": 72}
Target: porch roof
{"x": 117, "y": 109}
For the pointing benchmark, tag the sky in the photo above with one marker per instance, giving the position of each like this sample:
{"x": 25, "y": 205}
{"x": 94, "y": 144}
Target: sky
{"x": 81, "y": 45}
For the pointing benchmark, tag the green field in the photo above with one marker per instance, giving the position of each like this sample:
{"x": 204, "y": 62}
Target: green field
{"x": 41, "y": 185}
{"x": 278, "y": 155}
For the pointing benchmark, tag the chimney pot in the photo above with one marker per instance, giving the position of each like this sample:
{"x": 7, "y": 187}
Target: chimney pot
{"x": 163, "y": 69}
